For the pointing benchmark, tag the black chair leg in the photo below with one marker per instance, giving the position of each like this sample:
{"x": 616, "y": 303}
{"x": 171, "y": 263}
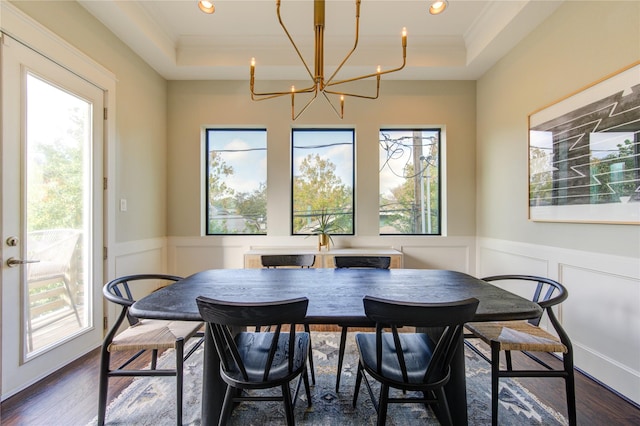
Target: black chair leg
{"x": 444, "y": 406}
{"x": 305, "y": 378}
{"x": 154, "y": 359}
{"x": 357, "y": 387}
{"x": 103, "y": 386}
{"x": 571, "y": 389}
{"x": 179, "y": 379}
{"x": 495, "y": 370}
{"x": 313, "y": 374}
{"x": 382, "y": 405}
{"x": 288, "y": 404}
{"x": 227, "y": 405}
{"x": 343, "y": 343}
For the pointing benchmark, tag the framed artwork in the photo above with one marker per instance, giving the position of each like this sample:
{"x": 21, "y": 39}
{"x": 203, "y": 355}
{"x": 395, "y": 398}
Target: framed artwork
{"x": 584, "y": 154}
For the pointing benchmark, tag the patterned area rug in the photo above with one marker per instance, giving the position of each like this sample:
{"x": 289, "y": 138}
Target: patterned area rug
{"x": 151, "y": 401}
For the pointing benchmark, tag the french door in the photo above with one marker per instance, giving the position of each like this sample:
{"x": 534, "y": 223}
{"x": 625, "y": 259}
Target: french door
{"x": 52, "y": 144}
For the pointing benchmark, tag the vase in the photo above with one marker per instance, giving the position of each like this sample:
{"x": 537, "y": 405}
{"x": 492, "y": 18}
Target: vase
{"x": 323, "y": 241}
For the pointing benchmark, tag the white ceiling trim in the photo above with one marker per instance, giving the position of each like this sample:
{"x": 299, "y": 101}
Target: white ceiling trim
{"x": 465, "y": 55}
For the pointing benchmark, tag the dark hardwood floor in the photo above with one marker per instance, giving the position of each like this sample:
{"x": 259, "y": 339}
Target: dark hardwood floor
{"x": 70, "y": 397}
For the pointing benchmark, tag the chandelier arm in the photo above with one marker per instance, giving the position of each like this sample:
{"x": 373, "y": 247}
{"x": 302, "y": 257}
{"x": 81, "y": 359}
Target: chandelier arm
{"x": 378, "y": 74}
{"x": 339, "y": 114}
{"x": 291, "y": 40}
{"x": 354, "y": 95}
{"x": 294, "y": 116}
{"x": 256, "y": 96}
{"x": 357, "y": 95}
{"x": 264, "y": 96}
{"x": 305, "y": 90}
{"x": 355, "y": 45}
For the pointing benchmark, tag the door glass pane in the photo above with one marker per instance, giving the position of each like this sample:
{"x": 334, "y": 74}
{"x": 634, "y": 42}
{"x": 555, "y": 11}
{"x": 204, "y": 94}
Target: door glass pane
{"x": 58, "y": 176}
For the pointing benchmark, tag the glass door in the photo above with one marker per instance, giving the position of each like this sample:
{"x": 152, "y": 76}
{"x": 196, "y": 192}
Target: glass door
{"x": 51, "y": 216}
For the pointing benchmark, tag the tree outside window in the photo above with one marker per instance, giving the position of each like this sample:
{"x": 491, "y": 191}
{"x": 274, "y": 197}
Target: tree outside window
{"x": 410, "y": 201}
{"x": 322, "y": 179}
{"x": 236, "y": 181}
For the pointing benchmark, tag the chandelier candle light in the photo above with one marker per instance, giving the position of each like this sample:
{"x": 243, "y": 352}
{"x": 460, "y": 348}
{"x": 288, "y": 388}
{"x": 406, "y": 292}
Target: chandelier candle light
{"x": 320, "y": 85}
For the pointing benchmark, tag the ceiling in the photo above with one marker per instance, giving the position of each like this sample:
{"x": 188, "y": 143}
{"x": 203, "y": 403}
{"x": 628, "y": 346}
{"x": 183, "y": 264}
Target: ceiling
{"x": 182, "y": 43}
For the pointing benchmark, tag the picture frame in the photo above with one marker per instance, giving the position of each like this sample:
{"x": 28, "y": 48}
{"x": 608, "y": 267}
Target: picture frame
{"x": 584, "y": 154}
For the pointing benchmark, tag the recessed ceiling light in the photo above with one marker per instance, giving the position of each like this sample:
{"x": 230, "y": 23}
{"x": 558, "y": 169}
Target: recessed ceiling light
{"x": 438, "y": 7}
{"x": 206, "y": 6}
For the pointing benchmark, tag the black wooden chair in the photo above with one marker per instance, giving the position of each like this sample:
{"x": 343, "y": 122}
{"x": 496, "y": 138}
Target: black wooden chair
{"x": 376, "y": 262}
{"x": 527, "y": 337}
{"x": 379, "y": 262}
{"x": 293, "y": 260}
{"x": 143, "y": 335}
{"x": 411, "y": 362}
{"x": 279, "y": 260}
{"x": 258, "y": 360}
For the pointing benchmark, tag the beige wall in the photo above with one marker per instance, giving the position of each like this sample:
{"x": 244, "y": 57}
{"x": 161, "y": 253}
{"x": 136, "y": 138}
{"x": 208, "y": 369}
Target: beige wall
{"x": 141, "y": 116}
{"x": 194, "y": 104}
{"x": 579, "y": 44}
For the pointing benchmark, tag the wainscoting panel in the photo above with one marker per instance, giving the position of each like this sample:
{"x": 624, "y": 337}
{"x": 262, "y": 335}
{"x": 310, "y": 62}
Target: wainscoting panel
{"x": 140, "y": 259}
{"x": 499, "y": 262}
{"x": 609, "y": 329}
{"x": 455, "y": 258}
{"x": 137, "y": 257}
{"x": 189, "y": 259}
{"x": 601, "y": 314}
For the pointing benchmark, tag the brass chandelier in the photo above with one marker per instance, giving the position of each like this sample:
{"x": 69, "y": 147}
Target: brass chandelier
{"x": 320, "y": 84}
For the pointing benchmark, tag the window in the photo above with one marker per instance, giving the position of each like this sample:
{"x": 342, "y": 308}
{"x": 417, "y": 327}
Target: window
{"x": 410, "y": 199}
{"x": 236, "y": 181}
{"x": 322, "y": 180}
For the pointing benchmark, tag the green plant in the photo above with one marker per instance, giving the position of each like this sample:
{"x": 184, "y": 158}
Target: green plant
{"x": 326, "y": 224}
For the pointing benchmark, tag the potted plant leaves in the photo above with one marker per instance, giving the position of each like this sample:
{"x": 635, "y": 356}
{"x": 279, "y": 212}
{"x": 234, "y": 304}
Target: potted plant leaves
{"x": 324, "y": 228}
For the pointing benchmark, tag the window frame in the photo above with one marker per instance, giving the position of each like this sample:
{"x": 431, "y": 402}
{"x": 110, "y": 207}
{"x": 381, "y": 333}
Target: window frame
{"x": 350, "y": 130}
{"x": 440, "y": 149}
{"x": 207, "y": 131}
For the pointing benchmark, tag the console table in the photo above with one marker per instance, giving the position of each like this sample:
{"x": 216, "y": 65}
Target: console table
{"x": 324, "y": 259}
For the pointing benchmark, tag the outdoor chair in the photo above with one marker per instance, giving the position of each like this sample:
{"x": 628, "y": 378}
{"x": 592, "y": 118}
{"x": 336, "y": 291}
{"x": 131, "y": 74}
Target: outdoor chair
{"x": 411, "y": 362}
{"x": 258, "y": 360}
{"x": 144, "y": 335}
{"x": 527, "y": 337}
{"x": 51, "y": 251}
{"x": 377, "y": 262}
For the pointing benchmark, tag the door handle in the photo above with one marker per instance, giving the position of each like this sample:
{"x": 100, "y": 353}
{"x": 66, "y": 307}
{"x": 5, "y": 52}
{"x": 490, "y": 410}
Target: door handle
{"x": 12, "y": 262}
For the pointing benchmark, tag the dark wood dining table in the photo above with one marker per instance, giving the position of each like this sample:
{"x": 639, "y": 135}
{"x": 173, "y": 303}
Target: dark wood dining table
{"x": 335, "y": 297}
